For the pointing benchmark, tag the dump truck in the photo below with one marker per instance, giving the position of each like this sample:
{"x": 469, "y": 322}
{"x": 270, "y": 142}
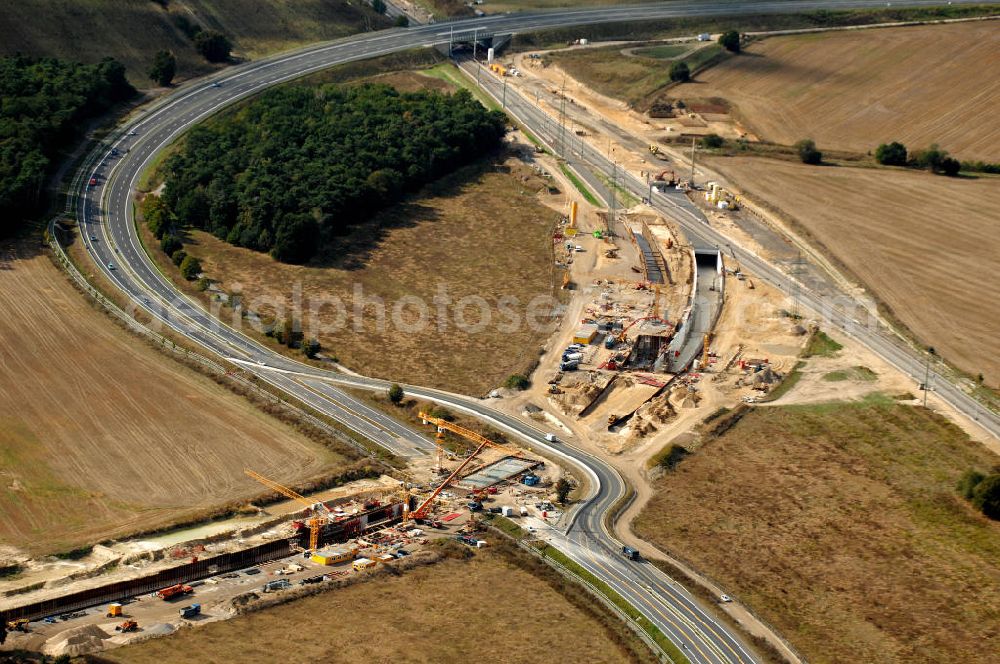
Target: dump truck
{"x": 190, "y": 610}
{"x": 174, "y": 591}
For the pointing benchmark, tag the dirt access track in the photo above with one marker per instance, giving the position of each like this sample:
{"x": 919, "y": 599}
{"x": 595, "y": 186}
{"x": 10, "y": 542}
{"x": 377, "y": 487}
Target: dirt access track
{"x": 855, "y": 89}
{"x": 101, "y": 435}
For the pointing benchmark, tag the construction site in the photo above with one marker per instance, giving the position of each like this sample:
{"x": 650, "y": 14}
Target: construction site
{"x": 645, "y": 330}
{"x": 139, "y": 586}
{"x": 657, "y": 333}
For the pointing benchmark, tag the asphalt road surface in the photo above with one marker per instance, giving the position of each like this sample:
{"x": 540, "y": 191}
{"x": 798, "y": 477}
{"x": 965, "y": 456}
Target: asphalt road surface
{"x": 106, "y": 217}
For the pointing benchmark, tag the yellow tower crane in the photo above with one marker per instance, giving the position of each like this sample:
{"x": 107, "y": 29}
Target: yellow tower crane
{"x": 482, "y": 443}
{"x": 320, "y": 512}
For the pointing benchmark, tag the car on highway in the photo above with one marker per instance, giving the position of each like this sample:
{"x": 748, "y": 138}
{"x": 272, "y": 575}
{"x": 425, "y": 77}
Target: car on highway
{"x": 93, "y": 238}
{"x": 93, "y": 182}
{"x": 111, "y": 266}
{"x": 725, "y": 599}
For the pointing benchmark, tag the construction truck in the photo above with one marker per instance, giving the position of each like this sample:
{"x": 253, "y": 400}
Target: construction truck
{"x": 127, "y": 626}
{"x": 655, "y": 151}
{"x": 191, "y": 610}
{"x": 174, "y": 591}
{"x": 19, "y": 625}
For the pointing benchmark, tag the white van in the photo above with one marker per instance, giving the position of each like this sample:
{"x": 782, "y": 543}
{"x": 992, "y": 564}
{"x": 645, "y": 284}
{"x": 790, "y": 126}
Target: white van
{"x": 551, "y": 437}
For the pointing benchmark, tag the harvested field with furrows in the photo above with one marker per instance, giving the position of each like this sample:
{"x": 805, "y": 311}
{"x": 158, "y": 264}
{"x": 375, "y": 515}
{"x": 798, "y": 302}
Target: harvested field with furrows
{"x": 841, "y": 525}
{"x": 482, "y": 609}
{"x": 102, "y": 435}
{"x": 925, "y": 245}
{"x": 853, "y": 90}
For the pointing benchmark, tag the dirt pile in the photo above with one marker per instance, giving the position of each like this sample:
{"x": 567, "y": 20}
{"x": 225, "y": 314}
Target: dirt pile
{"x": 76, "y": 641}
{"x": 683, "y": 397}
{"x": 650, "y": 417}
{"x": 575, "y": 398}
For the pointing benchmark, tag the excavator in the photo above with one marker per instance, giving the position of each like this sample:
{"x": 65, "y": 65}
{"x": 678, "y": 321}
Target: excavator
{"x": 668, "y": 177}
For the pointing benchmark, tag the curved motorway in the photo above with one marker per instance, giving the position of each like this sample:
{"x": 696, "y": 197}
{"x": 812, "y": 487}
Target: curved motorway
{"x": 107, "y": 226}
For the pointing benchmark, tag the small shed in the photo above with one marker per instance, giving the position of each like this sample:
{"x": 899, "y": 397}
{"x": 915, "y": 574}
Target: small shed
{"x": 585, "y": 334}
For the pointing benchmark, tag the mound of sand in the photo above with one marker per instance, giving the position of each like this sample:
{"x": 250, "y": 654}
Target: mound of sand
{"x": 76, "y": 641}
{"x": 158, "y": 629}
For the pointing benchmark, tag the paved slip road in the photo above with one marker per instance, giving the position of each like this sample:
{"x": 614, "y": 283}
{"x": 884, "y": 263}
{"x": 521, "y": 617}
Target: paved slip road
{"x": 106, "y": 216}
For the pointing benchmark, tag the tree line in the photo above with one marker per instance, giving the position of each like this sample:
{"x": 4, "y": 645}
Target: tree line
{"x": 933, "y": 159}
{"x": 298, "y": 167}
{"x": 45, "y": 102}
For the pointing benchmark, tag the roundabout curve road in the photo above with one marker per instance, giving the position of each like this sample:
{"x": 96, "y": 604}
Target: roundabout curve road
{"x": 108, "y": 232}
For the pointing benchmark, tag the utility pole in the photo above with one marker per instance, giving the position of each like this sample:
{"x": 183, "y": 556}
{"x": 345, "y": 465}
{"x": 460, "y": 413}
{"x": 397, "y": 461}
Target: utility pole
{"x": 614, "y": 204}
{"x": 692, "y": 161}
{"x": 927, "y": 373}
{"x": 562, "y": 118}
{"x": 797, "y": 266}
{"x": 503, "y": 104}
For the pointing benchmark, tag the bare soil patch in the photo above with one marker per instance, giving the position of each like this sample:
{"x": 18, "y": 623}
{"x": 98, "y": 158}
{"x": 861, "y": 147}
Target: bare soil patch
{"x": 853, "y": 90}
{"x": 101, "y": 435}
{"x": 840, "y": 524}
{"x": 924, "y": 245}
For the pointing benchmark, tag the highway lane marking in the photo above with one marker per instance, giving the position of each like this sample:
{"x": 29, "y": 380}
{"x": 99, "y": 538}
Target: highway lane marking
{"x": 669, "y": 606}
{"x": 227, "y": 342}
{"x": 615, "y": 582}
{"x": 351, "y": 411}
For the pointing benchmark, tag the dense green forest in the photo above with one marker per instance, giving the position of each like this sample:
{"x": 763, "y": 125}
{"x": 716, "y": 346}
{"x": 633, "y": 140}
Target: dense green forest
{"x": 43, "y": 103}
{"x": 294, "y": 169}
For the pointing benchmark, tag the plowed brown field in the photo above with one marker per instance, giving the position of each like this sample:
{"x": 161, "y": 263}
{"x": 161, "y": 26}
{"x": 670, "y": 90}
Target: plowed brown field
{"x": 853, "y": 90}
{"x": 925, "y": 245}
{"x": 101, "y": 435}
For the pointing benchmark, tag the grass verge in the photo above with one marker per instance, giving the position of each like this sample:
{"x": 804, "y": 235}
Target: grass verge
{"x": 634, "y": 614}
{"x": 793, "y": 377}
{"x": 449, "y": 73}
{"x": 854, "y": 373}
{"x": 580, "y": 186}
{"x": 820, "y": 345}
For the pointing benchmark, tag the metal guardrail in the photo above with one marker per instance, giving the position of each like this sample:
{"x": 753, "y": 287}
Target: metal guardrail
{"x": 658, "y": 651}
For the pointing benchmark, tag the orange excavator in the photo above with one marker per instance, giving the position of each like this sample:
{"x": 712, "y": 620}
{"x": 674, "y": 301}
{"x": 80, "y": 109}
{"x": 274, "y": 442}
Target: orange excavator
{"x": 667, "y": 176}
{"x": 482, "y": 441}
{"x": 320, "y": 512}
